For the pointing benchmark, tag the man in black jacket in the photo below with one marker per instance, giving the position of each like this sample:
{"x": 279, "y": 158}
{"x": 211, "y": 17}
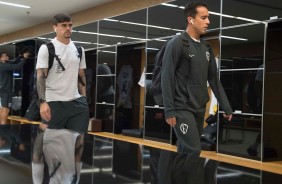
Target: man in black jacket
{"x": 6, "y": 82}
{"x": 185, "y": 93}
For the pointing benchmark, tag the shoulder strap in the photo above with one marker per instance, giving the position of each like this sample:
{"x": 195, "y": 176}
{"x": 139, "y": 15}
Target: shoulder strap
{"x": 51, "y": 51}
{"x": 185, "y": 52}
{"x": 79, "y": 50}
{"x": 52, "y": 55}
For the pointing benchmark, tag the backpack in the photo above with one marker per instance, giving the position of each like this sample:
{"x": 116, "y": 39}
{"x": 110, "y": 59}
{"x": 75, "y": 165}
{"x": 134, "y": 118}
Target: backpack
{"x": 155, "y": 88}
{"x": 52, "y": 55}
{"x": 33, "y": 110}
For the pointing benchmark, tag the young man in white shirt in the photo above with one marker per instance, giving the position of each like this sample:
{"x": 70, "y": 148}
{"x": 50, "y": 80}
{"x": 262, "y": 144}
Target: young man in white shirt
{"x": 63, "y": 105}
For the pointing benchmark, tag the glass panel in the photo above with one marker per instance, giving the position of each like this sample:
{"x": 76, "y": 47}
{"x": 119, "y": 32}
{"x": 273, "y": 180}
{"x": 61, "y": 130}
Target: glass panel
{"x": 103, "y": 158}
{"x": 156, "y": 127}
{"x": 127, "y": 161}
{"x": 86, "y": 35}
{"x": 249, "y": 11}
{"x": 91, "y": 57}
{"x": 105, "y": 88}
{"x": 242, "y": 47}
{"x": 24, "y": 84}
{"x": 272, "y": 125}
{"x": 153, "y": 48}
{"x": 231, "y": 174}
{"x": 244, "y": 90}
{"x": 107, "y": 59}
{"x": 268, "y": 177}
{"x": 240, "y": 137}
{"x": 131, "y": 61}
{"x": 105, "y": 112}
{"x": 125, "y": 28}
{"x": 168, "y": 19}
{"x": 88, "y": 160}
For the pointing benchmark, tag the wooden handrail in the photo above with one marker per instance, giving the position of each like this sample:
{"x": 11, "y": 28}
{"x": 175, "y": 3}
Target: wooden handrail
{"x": 273, "y": 167}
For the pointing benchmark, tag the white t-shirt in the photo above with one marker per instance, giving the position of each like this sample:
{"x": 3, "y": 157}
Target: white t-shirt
{"x": 61, "y": 85}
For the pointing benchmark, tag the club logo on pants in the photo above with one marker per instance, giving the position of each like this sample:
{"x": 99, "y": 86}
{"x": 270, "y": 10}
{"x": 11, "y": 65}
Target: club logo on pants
{"x": 184, "y": 128}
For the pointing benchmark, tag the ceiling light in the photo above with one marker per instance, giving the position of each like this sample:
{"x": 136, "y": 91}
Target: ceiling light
{"x": 13, "y": 4}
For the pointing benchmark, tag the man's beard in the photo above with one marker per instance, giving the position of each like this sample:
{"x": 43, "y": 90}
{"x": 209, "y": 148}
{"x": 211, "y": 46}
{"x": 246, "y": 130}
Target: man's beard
{"x": 67, "y": 35}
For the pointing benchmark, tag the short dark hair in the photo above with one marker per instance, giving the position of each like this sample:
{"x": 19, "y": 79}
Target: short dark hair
{"x": 1, "y": 53}
{"x": 191, "y": 8}
{"x": 59, "y": 18}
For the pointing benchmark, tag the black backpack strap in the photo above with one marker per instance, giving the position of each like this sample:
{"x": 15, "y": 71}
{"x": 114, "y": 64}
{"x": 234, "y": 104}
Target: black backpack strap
{"x": 51, "y": 51}
{"x": 52, "y": 55}
{"x": 79, "y": 50}
{"x": 185, "y": 52}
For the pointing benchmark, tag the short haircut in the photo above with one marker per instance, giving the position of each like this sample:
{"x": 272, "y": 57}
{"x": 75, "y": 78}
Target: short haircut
{"x": 191, "y": 8}
{"x": 59, "y": 18}
{"x": 1, "y": 53}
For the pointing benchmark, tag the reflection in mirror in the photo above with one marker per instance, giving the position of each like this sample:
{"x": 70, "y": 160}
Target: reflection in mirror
{"x": 249, "y": 11}
{"x": 240, "y": 137}
{"x": 105, "y": 88}
{"x": 131, "y": 59}
{"x": 156, "y": 127}
{"x": 90, "y": 72}
{"x": 103, "y": 160}
{"x": 242, "y": 67}
{"x": 127, "y": 161}
{"x": 168, "y": 19}
{"x": 9, "y": 50}
{"x": 107, "y": 57}
{"x": 130, "y": 27}
{"x": 86, "y": 35}
{"x": 24, "y": 86}
{"x": 242, "y": 47}
{"x": 227, "y": 173}
{"x": 150, "y": 165}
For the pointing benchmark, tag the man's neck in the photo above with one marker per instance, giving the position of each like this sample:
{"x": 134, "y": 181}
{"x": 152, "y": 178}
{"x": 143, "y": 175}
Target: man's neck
{"x": 65, "y": 41}
{"x": 193, "y": 34}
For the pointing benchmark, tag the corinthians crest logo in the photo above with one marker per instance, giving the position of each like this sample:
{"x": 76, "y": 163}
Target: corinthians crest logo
{"x": 184, "y": 128}
{"x": 208, "y": 55}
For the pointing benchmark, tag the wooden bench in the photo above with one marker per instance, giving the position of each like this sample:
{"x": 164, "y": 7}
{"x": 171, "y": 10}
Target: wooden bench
{"x": 273, "y": 167}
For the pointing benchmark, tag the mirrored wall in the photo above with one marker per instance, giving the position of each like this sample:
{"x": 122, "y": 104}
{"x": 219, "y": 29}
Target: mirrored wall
{"x": 120, "y": 53}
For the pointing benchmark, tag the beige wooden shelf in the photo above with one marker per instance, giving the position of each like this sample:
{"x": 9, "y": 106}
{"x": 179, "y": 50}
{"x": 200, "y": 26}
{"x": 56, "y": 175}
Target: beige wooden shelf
{"x": 273, "y": 167}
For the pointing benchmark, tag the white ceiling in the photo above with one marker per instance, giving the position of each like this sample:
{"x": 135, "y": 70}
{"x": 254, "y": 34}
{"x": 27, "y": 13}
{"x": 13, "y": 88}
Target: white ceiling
{"x": 13, "y": 18}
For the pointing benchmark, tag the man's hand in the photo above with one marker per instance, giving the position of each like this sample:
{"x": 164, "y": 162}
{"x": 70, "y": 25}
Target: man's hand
{"x": 171, "y": 121}
{"x": 228, "y": 117}
{"x": 45, "y": 111}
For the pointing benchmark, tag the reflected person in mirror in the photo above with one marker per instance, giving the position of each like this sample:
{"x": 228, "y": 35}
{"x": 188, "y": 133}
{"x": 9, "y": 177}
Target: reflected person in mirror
{"x": 6, "y": 81}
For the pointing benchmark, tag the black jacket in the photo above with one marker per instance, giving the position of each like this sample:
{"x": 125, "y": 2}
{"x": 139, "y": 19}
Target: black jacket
{"x": 6, "y": 74}
{"x": 189, "y": 92}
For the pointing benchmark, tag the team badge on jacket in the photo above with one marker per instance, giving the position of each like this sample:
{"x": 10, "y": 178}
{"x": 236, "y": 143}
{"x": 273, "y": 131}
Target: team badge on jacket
{"x": 184, "y": 128}
{"x": 208, "y": 55}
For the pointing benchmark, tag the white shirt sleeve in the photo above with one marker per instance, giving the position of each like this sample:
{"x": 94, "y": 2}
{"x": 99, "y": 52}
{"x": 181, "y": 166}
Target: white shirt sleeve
{"x": 42, "y": 57}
